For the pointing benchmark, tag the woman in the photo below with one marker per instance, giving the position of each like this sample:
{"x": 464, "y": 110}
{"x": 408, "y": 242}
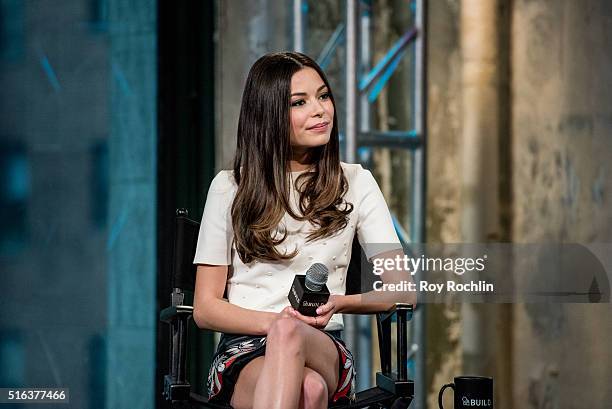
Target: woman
{"x": 288, "y": 203}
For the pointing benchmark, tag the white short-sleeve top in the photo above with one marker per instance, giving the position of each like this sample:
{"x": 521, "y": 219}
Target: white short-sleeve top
{"x": 263, "y": 286}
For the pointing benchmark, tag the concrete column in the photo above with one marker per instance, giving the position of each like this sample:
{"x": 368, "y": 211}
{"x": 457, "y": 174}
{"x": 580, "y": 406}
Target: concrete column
{"x": 479, "y": 164}
{"x": 480, "y": 120}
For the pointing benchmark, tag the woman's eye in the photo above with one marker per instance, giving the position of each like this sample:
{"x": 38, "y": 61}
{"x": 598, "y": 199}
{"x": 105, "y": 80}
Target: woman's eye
{"x": 302, "y": 102}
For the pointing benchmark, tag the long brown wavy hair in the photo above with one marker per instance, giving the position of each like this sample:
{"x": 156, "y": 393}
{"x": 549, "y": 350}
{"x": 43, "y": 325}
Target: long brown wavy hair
{"x": 262, "y": 165}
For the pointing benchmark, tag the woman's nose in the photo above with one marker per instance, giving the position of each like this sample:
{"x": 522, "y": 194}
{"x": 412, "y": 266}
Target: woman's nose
{"x": 318, "y": 109}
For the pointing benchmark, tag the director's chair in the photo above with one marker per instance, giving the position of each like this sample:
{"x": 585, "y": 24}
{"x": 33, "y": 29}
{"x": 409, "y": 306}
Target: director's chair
{"x": 393, "y": 388}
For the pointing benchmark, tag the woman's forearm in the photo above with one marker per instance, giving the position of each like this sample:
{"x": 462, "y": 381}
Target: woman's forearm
{"x": 220, "y": 315}
{"x": 353, "y": 304}
{"x": 363, "y": 304}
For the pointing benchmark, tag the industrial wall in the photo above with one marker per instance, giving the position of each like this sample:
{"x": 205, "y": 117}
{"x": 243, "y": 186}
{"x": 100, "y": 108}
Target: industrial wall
{"x": 552, "y": 121}
{"x": 561, "y": 166}
{"x": 540, "y": 103}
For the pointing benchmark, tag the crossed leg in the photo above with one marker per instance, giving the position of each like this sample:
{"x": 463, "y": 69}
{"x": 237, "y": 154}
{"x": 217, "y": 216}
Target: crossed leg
{"x": 299, "y": 370}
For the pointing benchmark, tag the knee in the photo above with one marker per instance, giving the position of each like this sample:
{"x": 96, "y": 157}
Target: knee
{"x": 285, "y": 331}
{"x": 315, "y": 391}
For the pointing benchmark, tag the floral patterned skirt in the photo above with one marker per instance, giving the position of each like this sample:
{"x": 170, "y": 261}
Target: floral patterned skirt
{"x": 235, "y": 351}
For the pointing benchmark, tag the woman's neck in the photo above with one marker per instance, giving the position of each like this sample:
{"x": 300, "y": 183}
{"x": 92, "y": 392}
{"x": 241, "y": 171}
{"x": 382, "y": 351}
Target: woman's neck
{"x": 300, "y": 161}
{"x": 298, "y": 167}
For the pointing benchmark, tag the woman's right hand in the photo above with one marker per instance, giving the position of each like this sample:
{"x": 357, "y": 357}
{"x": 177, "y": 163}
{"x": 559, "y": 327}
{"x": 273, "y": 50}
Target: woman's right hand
{"x": 286, "y": 312}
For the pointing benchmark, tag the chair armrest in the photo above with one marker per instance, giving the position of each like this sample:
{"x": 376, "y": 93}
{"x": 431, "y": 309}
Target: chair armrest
{"x": 174, "y": 312}
{"x": 394, "y": 382}
{"x": 176, "y": 387}
{"x": 408, "y": 308}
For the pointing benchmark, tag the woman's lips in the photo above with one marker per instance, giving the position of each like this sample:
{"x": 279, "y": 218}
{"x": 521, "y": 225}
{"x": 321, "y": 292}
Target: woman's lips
{"x": 322, "y": 127}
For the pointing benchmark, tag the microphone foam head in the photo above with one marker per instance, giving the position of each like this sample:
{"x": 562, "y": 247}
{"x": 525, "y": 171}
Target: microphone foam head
{"x": 316, "y": 277}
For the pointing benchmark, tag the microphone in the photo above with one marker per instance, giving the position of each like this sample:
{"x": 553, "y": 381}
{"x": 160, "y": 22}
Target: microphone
{"x": 308, "y": 292}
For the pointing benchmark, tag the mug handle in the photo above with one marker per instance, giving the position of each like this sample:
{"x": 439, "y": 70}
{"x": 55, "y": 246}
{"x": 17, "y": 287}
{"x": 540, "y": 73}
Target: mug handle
{"x": 448, "y": 385}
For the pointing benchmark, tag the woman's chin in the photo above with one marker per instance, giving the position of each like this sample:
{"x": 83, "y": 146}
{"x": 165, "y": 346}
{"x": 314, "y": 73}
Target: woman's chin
{"x": 314, "y": 141}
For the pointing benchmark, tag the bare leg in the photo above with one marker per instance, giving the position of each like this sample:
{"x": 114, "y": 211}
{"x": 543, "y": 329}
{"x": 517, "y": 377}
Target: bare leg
{"x": 292, "y": 345}
{"x": 242, "y": 398}
{"x": 314, "y": 393}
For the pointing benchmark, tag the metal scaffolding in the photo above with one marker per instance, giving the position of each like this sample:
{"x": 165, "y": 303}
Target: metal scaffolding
{"x": 362, "y": 88}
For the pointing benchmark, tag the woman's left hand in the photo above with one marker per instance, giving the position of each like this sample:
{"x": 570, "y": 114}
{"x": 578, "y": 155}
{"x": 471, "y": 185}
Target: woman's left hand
{"x": 324, "y": 312}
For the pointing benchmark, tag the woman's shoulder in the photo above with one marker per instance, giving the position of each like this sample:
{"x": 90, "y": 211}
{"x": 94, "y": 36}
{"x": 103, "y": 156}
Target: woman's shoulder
{"x": 361, "y": 182}
{"x": 352, "y": 170}
{"x": 355, "y": 173}
{"x": 223, "y": 182}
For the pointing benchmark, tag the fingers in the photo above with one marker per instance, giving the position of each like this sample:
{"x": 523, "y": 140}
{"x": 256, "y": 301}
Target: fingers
{"x": 308, "y": 320}
{"x": 320, "y": 321}
{"x": 324, "y": 309}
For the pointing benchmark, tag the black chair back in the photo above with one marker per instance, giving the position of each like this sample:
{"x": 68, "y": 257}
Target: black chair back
{"x": 185, "y": 241}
